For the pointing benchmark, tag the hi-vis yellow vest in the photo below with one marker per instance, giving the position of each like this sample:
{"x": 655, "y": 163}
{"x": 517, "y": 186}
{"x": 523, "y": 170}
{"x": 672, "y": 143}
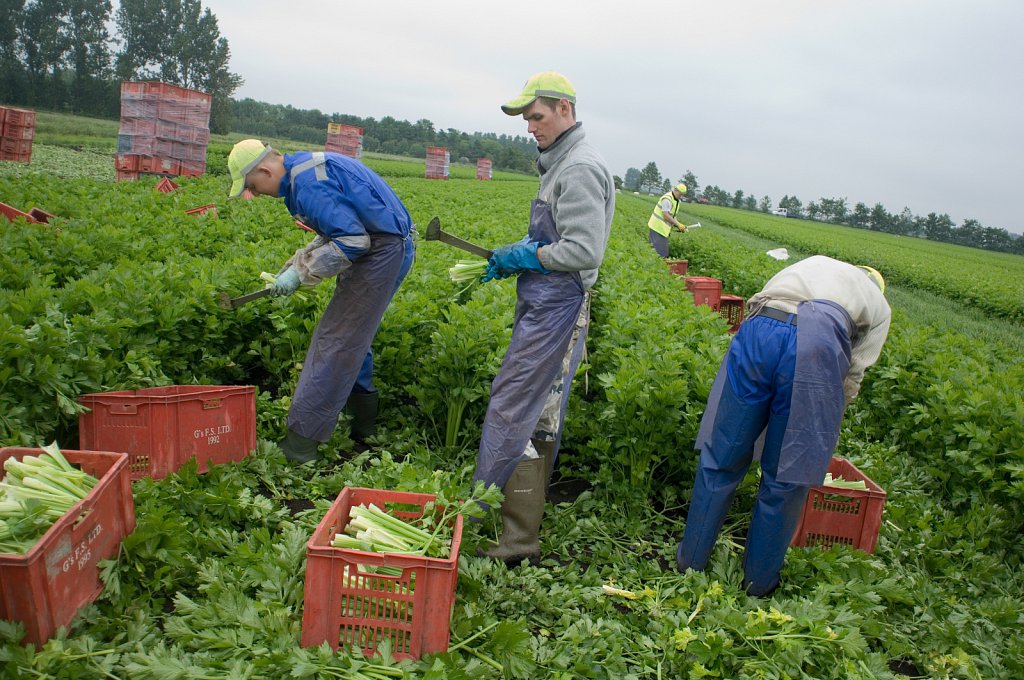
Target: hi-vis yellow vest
{"x": 657, "y": 222}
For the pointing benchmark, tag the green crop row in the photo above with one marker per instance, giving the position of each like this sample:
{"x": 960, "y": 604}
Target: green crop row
{"x": 993, "y": 282}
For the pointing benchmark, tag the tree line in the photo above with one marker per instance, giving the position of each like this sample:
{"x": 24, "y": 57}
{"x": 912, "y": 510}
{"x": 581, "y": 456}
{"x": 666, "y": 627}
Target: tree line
{"x": 934, "y": 227}
{"x": 60, "y": 55}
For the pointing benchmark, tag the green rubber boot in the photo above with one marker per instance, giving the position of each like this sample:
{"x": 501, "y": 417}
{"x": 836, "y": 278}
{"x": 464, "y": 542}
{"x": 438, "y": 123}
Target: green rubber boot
{"x": 298, "y": 449}
{"x": 521, "y": 513}
{"x": 362, "y": 406}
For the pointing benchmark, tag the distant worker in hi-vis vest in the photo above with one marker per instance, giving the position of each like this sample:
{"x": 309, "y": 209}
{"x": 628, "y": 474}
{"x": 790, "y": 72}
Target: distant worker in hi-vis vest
{"x": 663, "y": 218}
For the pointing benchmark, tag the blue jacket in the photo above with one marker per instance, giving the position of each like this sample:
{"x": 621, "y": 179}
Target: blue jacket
{"x": 342, "y": 200}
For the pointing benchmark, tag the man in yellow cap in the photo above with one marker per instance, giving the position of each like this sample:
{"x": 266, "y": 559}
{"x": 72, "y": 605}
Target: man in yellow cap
{"x": 663, "y": 218}
{"x": 791, "y": 370}
{"x": 556, "y": 265}
{"x": 364, "y": 239}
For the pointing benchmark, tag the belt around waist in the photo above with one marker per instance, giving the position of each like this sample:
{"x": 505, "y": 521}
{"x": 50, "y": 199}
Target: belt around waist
{"x": 778, "y": 315}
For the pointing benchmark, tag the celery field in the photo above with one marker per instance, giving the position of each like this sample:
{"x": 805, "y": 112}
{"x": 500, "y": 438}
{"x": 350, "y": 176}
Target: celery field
{"x": 120, "y": 291}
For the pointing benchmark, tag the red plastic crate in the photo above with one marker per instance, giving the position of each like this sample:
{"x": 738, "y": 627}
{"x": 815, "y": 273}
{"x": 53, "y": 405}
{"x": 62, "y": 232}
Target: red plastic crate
{"x": 678, "y": 267}
{"x": 21, "y": 132}
{"x": 20, "y": 117}
{"x": 706, "y": 290}
{"x": 842, "y": 516}
{"x": 16, "y": 147}
{"x": 161, "y": 428}
{"x": 731, "y": 308}
{"x": 126, "y": 161}
{"x": 165, "y": 185}
{"x": 210, "y": 208}
{"x": 46, "y": 586}
{"x": 3, "y": 114}
{"x": 12, "y": 213}
{"x": 346, "y": 606}
{"x": 126, "y": 175}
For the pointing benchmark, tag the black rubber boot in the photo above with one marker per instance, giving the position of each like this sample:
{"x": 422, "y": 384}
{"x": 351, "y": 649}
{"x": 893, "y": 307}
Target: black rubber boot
{"x": 362, "y": 406}
{"x": 521, "y": 513}
{"x": 298, "y": 449}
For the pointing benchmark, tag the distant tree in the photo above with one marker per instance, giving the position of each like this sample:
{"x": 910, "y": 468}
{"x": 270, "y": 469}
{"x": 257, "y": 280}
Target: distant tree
{"x": 692, "y": 188}
{"x": 737, "y": 199}
{"x": 89, "y": 55}
{"x": 617, "y": 181}
{"x": 860, "y": 216}
{"x": 880, "y": 219}
{"x": 666, "y": 185}
{"x": 650, "y": 178}
{"x": 632, "y": 179}
{"x": 792, "y": 205}
{"x": 813, "y": 210}
{"x": 765, "y": 205}
{"x": 750, "y": 202}
{"x": 44, "y": 44}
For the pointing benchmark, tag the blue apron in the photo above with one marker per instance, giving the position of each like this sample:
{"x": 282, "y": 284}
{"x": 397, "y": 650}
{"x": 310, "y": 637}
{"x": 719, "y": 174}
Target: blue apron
{"x": 339, "y": 346}
{"x": 547, "y": 307}
{"x": 824, "y": 336}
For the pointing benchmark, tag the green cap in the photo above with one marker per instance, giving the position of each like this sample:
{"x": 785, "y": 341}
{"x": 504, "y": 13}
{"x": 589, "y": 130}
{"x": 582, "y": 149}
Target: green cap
{"x": 244, "y": 157}
{"x": 545, "y": 84}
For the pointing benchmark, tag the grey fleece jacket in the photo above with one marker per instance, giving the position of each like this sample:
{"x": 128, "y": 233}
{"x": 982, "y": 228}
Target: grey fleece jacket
{"x": 575, "y": 180}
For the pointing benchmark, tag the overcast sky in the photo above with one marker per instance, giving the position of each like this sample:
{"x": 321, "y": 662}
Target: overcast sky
{"x": 907, "y": 103}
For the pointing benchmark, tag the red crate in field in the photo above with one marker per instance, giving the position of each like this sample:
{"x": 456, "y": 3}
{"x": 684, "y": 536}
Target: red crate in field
{"x": 706, "y": 290}
{"x": 678, "y": 267}
{"x": 3, "y": 114}
{"x": 22, "y": 132}
{"x": 841, "y": 516}
{"x": 126, "y": 161}
{"x": 20, "y": 117}
{"x": 126, "y": 175}
{"x": 161, "y": 428}
{"x": 731, "y": 308}
{"x": 12, "y": 213}
{"x": 15, "y": 147}
{"x": 45, "y": 587}
{"x": 210, "y": 208}
{"x": 346, "y": 604}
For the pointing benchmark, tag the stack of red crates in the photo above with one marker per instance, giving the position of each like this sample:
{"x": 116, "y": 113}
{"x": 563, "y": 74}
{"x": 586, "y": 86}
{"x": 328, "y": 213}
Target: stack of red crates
{"x": 164, "y": 130}
{"x": 438, "y": 162}
{"x": 483, "y": 168}
{"x": 17, "y": 130}
{"x": 345, "y": 139}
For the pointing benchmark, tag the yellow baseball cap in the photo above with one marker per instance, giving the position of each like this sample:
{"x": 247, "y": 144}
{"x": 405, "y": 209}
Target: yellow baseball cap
{"x": 544, "y": 84}
{"x": 874, "y": 275}
{"x": 244, "y": 157}
{"x": 681, "y": 188}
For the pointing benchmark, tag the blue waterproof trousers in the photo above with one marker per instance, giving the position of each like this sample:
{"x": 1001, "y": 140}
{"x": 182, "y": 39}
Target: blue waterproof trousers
{"x": 755, "y": 398}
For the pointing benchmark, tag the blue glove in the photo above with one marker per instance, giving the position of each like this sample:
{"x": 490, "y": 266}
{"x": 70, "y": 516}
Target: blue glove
{"x": 513, "y": 259}
{"x": 286, "y": 284}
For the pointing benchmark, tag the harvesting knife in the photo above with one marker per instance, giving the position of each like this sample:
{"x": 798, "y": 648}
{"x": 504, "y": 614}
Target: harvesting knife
{"x": 435, "y": 233}
{"x": 230, "y": 302}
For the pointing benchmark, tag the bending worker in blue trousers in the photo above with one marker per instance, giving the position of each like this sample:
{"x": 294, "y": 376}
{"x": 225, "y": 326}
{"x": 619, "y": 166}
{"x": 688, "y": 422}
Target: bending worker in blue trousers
{"x": 557, "y": 263}
{"x": 364, "y": 239}
{"x": 790, "y": 371}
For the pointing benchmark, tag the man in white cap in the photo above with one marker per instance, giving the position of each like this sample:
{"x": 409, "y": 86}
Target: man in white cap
{"x": 556, "y": 265}
{"x": 792, "y": 368}
{"x": 364, "y": 239}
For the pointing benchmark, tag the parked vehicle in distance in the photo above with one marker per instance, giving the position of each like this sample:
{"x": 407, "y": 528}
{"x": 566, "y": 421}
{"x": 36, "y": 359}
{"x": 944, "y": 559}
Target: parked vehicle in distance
{"x": 781, "y": 212}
